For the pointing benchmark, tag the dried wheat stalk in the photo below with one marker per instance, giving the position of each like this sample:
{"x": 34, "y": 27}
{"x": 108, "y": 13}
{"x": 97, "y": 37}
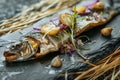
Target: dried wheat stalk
{"x": 34, "y": 13}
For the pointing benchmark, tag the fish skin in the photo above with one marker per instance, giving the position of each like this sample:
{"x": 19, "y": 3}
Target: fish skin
{"x": 53, "y": 42}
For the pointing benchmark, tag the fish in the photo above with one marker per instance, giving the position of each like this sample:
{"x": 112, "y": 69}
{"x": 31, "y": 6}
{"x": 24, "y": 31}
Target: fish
{"x": 51, "y": 36}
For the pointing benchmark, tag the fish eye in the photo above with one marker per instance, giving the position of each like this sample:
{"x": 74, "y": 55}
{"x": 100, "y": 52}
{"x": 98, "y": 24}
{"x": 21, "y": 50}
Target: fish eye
{"x": 18, "y": 45}
{"x": 12, "y": 47}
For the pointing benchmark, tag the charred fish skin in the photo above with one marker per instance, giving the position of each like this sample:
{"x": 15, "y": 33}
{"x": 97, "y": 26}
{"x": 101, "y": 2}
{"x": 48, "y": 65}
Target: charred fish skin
{"x": 42, "y": 43}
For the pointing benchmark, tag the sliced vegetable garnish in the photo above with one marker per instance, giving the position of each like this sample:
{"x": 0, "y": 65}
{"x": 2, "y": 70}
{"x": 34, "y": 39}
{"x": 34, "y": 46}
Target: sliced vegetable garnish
{"x": 84, "y": 13}
{"x": 50, "y": 29}
{"x": 81, "y": 9}
{"x": 66, "y": 19}
{"x": 91, "y": 4}
{"x": 36, "y": 28}
{"x": 98, "y": 6}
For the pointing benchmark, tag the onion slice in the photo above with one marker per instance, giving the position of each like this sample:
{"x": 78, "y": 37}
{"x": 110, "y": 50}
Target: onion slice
{"x": 84, "y": 13}
{"x": 36, "y": 28}
{"x": 91, "y": 4}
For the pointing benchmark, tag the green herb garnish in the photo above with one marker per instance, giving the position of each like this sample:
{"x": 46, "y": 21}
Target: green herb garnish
{"x": 71, "y": 33}
{"x": 72, "y": 29}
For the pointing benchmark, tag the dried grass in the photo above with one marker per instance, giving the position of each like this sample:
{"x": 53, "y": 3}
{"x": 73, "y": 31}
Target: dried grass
{"x": 34, "y": 13}
{"x": 110, "y": 63}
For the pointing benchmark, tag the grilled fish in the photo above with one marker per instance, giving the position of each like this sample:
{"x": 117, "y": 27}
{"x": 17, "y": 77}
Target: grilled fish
{"x": 40, "y": 43}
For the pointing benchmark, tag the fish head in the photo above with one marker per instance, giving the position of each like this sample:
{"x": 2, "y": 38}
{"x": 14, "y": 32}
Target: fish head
{"x": 22, "y": 50}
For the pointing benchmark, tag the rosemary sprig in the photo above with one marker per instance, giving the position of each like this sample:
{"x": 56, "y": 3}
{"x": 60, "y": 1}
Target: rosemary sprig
{"x": 59, "y": 36}
{"x": 72, "y": 29}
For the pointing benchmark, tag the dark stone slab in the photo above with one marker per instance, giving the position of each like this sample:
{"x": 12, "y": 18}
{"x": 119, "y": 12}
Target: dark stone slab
{"x": 39, "y": 69}
{"x": 9, "y": 8}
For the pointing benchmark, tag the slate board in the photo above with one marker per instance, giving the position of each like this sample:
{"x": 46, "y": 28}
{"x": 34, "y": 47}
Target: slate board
{"x": 9, "y": 8}
{"x": 40, "y": 70}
